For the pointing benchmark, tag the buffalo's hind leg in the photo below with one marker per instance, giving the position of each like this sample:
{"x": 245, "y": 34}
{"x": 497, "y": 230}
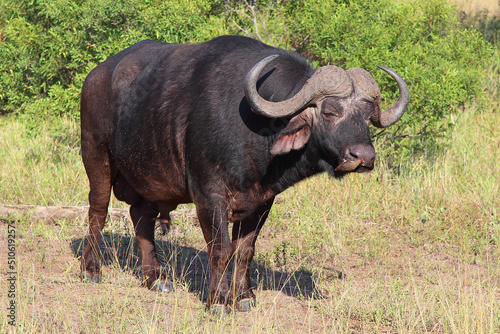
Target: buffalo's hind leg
{"x": 144, "y": 216}
{"x": 244, "y": 236}
{"x": 100, "y": 177}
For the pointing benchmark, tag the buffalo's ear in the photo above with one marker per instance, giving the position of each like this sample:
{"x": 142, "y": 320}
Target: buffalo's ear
{"x": 295, "y": 135}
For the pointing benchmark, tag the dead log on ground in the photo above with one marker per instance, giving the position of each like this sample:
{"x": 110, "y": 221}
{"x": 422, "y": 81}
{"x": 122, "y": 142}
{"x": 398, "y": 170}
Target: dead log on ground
{"x": 52, "y": 214}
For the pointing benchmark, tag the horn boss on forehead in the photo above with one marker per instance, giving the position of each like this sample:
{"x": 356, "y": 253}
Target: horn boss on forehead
{"x": 365, "y": 83}
{"x": 326, "y": 81}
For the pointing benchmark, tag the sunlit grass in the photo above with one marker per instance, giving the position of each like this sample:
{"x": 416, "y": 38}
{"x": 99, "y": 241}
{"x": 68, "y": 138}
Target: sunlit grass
{"x": 416, "y": 246}
{"x": 42, "y": 165}
{"x": 473, "y": 6}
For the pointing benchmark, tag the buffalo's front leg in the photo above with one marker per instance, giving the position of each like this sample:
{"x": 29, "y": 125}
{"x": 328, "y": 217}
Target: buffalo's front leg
{"x": 213, "y": 218}
{"x": 243, "y": 247}
{"x": 144, "y": 216}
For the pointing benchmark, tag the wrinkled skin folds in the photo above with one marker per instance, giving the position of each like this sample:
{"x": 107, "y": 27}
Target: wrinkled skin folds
{"x": 164, "y": 124}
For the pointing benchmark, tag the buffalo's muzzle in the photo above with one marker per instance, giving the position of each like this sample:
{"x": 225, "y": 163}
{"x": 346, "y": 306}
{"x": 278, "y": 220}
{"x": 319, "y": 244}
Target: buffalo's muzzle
{"x": 359, "y": 158}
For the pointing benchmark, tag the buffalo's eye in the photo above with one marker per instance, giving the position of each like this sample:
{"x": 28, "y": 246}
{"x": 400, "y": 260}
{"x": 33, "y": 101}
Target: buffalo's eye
{"x": 331, "y": 109}
{"x": 331, "y": 113}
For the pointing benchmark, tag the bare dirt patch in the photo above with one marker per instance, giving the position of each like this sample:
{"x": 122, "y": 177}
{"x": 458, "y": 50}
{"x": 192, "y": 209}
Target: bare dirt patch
{"x": 402, "y": 288}
{"x": 51, "y": 296}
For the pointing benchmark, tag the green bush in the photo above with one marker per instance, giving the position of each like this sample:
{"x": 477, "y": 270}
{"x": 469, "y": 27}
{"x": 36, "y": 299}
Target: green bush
{"x": 488, "y": 24}
{"x": 47, "y": 47}
{"x": 443, "y": 63}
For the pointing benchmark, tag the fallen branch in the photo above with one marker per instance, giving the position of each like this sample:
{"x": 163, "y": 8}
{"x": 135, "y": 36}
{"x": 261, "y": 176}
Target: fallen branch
{"x": 52, "y": 214}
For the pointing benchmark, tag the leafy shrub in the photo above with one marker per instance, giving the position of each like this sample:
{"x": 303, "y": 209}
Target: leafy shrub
{"x": 264, "y": 20}
{"x": 47, "y": 47}
{"x": 443, "y": 63}
{"x": 488, "y": 24}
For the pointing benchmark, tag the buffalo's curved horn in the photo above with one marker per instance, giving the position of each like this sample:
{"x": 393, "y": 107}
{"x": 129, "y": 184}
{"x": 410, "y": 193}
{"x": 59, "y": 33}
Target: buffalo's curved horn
{"x": 327, "y": 80}
{"x": 394, "y": 113}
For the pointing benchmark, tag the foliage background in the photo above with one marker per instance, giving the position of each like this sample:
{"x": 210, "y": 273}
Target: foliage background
{"x": 47, "y": 47}
{"x": 417, "y": 246}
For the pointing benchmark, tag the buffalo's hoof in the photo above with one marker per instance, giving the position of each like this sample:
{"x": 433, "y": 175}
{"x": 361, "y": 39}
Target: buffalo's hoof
{"x": 245, "y": 304}
{"x": 219, "y": 310}
{"x": 165, "y": 226}
{"x": 162, "y": 286}
{"x": 88, "y": 278}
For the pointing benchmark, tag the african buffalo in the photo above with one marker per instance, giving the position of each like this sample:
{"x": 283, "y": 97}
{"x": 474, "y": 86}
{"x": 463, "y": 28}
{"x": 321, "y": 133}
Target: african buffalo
{"x": 227, "y": 124}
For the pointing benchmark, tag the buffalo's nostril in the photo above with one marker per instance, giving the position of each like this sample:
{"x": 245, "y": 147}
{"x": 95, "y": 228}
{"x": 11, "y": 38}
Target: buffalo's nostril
{"x": 365, "y": 153}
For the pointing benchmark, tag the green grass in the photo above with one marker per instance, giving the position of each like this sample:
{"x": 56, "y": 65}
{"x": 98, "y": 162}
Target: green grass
{"x": 41, "y": 166}
{"x": 41, "y": 162}
{"x": 418, "y": 247}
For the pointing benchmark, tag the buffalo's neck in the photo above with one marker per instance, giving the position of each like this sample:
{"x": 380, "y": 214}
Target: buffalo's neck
{"x": 286, "y": 170}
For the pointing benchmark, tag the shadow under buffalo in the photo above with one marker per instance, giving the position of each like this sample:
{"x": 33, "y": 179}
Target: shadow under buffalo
{"x": 189, "y": 266}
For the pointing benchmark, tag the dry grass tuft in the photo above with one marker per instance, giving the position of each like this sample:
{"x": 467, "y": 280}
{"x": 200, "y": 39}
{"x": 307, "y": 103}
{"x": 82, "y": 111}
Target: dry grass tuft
{"x": 474, "y": 6}
{"x": 408, "y": 251}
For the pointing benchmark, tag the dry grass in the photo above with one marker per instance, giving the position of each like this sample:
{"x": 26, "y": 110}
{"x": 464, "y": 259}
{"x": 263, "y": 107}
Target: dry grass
{"x": 473, "y": 6}
{"x": 417, "y": 250}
